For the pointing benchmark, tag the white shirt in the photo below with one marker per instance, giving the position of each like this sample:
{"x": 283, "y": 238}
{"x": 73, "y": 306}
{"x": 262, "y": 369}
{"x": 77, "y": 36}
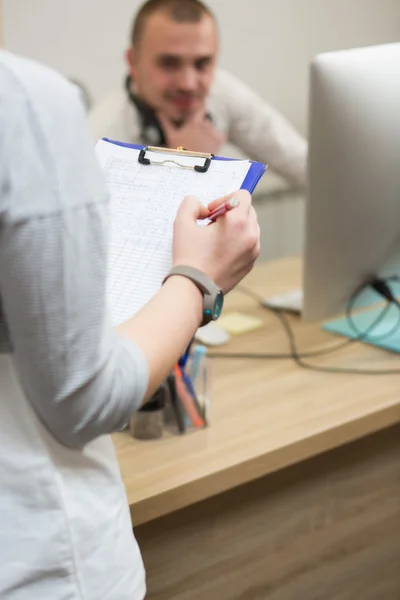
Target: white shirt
{"x": 247, "y": 121}
{"x": 67, "y": 380}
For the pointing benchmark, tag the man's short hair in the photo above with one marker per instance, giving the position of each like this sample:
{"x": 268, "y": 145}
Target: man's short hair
{"x": 180, "y": 11}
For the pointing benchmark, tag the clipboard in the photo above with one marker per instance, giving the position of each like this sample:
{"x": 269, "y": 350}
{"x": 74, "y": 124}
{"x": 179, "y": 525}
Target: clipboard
{"x": 256, "y": 170}
{"x": 141, "y": 232}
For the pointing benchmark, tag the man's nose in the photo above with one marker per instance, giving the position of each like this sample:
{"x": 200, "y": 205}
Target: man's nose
{"x": 188, "y": 79}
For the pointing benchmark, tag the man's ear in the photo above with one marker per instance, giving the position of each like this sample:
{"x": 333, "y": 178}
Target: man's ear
{"x": 130, "y": 57}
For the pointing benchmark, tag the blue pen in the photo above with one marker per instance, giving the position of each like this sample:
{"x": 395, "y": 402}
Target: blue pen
{"x": 188, "y": 383}
{"x": 198, "y": 355}
{"x": 183, "y": 360}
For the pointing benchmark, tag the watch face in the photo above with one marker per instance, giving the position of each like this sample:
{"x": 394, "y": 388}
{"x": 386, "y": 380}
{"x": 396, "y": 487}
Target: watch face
{"x": 219, "y": 302}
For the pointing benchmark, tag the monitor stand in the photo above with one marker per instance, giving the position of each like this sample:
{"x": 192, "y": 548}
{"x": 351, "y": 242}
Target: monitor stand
{"x": 291, "y": 301}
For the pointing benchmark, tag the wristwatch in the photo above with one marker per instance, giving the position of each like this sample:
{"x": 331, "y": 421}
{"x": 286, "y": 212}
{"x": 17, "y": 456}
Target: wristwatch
{"x": 213, "y": 296}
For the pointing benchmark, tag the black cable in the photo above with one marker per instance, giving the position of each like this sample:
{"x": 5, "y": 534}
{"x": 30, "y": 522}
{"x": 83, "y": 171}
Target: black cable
{"x": 299, "y": 360}
{"x": 382, "y": 289}
{"x": 376, "y": 284}
{"x": 279, "y": 313}
{"x": 374, "y": 338}
{"x": 380, "y": 286}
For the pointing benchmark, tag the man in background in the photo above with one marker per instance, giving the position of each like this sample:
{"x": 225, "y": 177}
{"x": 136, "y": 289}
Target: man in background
{"x": 175, "y": 96}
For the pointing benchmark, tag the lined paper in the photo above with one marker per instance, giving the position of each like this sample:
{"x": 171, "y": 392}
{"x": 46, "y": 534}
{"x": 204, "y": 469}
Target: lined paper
{"x": 144, "y": 203}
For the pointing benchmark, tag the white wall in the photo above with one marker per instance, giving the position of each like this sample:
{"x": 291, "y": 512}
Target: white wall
{"x": 1, "y": 23}
{"x": 268, "y": 43}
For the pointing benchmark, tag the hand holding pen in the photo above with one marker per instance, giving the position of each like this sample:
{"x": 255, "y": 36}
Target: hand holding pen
{"x": 233, "y": 238}
{"x": 218, "y": 208}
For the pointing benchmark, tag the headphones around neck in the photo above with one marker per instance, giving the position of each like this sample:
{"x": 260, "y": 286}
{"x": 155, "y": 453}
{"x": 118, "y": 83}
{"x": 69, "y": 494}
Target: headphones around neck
{"x": 151, "y": 131}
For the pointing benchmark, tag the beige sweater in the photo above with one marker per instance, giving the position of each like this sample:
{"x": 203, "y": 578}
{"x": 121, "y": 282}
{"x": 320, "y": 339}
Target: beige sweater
{"x": 250, "y": 124}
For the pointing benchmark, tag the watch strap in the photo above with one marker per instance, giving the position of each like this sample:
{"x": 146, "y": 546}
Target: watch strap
{"x": 205, "y": 284}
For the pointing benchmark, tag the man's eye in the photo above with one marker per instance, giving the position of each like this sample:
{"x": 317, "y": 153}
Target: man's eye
{"x": 202, "y": 64}
{"x": 169, "y": 63}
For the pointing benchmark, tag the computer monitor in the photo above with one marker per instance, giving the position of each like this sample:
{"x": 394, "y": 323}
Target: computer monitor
{"x": 353, "y": 201}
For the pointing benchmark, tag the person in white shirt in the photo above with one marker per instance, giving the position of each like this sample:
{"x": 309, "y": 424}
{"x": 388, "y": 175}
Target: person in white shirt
{"x": 68, "y": 378}
{"x": 175, "y": 96}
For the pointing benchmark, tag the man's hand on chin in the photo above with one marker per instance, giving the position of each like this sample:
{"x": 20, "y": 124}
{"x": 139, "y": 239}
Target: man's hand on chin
{"x": 197, "y": 134}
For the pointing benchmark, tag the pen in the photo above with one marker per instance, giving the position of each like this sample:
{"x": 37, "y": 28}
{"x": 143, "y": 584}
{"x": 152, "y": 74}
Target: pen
{"x": 183, "y": 360}
{"x": 189, "y": 386}
{"x": 222, "y": 209}
{"x": 197, "y": 357}
{"x": 187, "y": 400}
{"x": 176, "y": 405}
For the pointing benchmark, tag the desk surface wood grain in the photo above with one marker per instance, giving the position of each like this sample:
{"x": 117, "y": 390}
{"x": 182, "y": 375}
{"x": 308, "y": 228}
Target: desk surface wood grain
{"x": 266, "y": 414}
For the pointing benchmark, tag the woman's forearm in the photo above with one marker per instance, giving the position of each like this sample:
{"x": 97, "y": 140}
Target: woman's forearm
{"x": 165, "y": 326}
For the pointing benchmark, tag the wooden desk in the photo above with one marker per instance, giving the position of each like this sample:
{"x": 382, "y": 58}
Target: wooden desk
{"x": 275, "y": 469}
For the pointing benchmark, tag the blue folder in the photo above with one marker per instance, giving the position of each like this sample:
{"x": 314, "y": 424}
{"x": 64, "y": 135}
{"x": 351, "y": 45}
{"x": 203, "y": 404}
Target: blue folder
{"x": 253, "y": 176}
{"x": 385, "y": 334}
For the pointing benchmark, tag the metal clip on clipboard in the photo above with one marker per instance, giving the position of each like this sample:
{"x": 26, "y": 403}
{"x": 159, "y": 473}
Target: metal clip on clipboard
{"x": 180, "y": 151}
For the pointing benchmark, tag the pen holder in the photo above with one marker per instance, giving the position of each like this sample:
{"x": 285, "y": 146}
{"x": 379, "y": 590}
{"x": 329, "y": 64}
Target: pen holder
{"x": 187, "y": 405}
{"x": 200, "y": 372}
{"x": 148, "y": 422}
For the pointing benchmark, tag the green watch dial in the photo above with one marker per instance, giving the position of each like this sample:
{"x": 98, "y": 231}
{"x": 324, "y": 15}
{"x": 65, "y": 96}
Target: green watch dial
{"x": 219, "y": 302}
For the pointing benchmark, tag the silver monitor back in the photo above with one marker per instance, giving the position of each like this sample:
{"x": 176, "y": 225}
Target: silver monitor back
{"x": 353, "y": 204}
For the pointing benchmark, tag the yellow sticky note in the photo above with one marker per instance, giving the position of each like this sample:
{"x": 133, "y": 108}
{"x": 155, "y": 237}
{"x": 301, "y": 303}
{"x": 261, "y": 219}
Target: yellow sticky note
{"x": 235, "y": 323}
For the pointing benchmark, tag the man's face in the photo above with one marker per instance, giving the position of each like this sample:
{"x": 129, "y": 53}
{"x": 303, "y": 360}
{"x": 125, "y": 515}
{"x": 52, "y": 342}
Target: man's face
{"x": 173, "y": 65}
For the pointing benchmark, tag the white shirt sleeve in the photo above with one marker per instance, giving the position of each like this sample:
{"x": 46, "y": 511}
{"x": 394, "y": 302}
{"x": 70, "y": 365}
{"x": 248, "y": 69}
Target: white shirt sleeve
{"x": 82, "y": 379}
{"x": 261, "y": 132}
